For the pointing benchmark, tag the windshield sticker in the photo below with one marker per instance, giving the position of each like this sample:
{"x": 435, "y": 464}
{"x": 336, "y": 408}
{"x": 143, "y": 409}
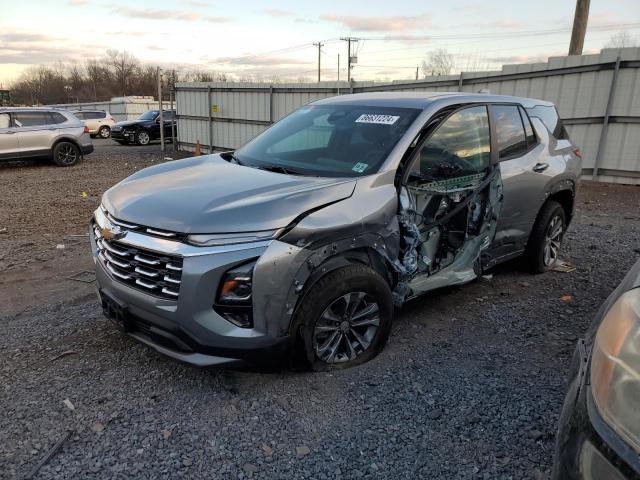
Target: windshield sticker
{"x": 360, "y": 167}
{"x": 379, "y": 119}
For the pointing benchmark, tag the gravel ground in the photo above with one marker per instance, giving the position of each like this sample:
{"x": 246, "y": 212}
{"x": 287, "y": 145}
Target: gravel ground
{"x": 469, "y": 386}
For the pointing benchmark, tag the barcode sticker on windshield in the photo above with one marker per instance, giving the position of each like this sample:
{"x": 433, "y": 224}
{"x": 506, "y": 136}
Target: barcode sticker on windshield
{"x": 379, "y": 119}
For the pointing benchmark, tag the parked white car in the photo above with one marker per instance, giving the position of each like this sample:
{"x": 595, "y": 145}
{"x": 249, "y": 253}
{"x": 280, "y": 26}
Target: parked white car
{"x": 98, "y": 121}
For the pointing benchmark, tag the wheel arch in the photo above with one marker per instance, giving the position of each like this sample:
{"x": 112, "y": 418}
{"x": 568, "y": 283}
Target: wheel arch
{"x": 359, "y": 255}
{"x": 66, "y": 138}
{"x": 566, "y": 198}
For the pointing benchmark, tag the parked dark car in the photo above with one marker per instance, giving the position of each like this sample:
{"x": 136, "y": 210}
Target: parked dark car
{"x": 599, "y": 432}
{"x": 145, "y": 128}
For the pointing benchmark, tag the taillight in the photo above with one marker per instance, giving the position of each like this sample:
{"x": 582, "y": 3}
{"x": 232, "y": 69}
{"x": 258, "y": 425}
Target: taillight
{"x": 86, "y": 130}
{"x": 578, "y": 152}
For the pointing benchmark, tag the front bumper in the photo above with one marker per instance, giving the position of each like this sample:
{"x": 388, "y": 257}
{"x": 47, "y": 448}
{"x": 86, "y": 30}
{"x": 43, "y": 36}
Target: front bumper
{"x": 87, "y": 149}
{"x": 128, "y": 136}
{"x": 586, "y": 447}
{"x": 188, "y": 328}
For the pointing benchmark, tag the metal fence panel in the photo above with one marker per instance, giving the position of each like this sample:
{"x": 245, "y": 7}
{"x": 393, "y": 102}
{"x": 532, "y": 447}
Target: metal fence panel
{"x": 124, "y": 108}
{"x": 607, "y": 127}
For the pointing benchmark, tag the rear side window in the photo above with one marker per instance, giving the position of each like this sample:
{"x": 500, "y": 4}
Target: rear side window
{"x": 94, "y": 115}
{"x": 58, "y": 117}
{"x": 4, "y": 120}
{"x": 528, "y": 129}
{"x": 510, "y": 134}
{"x": 549, "y": 117}
{"x": 32, "y": 119}
{"x": 80, "y": 115}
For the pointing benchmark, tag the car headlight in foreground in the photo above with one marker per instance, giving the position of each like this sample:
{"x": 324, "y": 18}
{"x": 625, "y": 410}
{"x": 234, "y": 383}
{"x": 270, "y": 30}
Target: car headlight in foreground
{"x": 615, "y": 368}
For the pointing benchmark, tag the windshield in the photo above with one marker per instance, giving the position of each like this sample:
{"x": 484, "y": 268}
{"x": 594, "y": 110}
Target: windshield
{"x": 330, "y": 141}
{"x": 150, "y": 115}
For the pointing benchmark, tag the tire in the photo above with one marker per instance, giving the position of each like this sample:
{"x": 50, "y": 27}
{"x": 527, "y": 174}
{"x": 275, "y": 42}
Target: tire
{"x": 333, "y": 339}
{"x": 104, "y": 132}
{"x": 545, "y": 238}
{"x": 143, "y": 137}
{"x": 66, "y": 154}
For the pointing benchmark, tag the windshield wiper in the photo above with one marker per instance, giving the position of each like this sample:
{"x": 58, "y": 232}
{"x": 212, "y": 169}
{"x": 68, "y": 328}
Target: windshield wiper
{"x": 279, "y": 169}
{"x": 231, "y": 156}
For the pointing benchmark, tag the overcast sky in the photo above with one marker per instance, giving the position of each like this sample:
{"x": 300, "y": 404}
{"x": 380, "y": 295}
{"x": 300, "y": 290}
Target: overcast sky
{"x": 267, "y": 38}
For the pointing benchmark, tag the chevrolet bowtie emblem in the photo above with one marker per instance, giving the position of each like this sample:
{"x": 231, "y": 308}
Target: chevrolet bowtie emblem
{"x": 112, "y": 232}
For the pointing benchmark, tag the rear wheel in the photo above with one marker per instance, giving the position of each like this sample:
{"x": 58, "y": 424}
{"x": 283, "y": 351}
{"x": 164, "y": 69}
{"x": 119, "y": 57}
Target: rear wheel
{"x": 66, "y": 154}
{"x": 345, "y": 319}
{"x": 104, "y": 132}
{"x": 143, "y": 137}
{"x": 545, "y": 240}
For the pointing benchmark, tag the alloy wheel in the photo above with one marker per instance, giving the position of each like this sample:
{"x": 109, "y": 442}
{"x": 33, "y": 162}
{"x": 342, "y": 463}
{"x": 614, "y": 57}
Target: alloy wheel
{"x": 67, "y": 154}
{"x": 346, "y": 328}
{"x": 552, "y": 241}
{"x": 143, "y": 138}
{"x": 104, "y": 132}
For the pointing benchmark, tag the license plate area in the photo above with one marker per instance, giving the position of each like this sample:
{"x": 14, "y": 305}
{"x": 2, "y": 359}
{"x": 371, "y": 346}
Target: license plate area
{"x": 116, "y": 311}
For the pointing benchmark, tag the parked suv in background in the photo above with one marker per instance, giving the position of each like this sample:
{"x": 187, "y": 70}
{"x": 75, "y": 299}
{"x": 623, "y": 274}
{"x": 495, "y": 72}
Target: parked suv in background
{"x": 99, "y": 122}
{"x": 304, "y": 239}
{"x": 43, "y": 132}
{"x": 145, "y": 128}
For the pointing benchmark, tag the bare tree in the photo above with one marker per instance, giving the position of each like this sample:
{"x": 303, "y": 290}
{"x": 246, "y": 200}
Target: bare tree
{"x": 622, "y": 39}
{"x": 124, "y": 66}
{"x": 438, "y": 62}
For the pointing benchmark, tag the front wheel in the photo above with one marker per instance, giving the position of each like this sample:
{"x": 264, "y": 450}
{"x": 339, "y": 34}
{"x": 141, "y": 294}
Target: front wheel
{"x": 143, "y": 138}
{"x": 66, "y": 154}
{"x": 345, "y": 319}
{"x": 545, "y": 240}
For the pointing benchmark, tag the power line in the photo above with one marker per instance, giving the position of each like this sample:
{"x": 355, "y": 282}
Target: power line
{"x": 525, "y": 33}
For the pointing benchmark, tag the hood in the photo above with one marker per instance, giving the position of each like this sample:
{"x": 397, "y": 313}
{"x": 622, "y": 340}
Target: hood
{"x": 128, "y": 123}
{"x": 207, "y": 194}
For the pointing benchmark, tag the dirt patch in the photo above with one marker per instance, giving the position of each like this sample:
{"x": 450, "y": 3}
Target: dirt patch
{"x": 44, "y": 216}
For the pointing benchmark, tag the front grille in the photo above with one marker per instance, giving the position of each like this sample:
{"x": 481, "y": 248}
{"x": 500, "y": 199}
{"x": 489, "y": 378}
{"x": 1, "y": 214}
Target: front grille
{"x": 139, "y": 228}
{"x": 151, "y": 272}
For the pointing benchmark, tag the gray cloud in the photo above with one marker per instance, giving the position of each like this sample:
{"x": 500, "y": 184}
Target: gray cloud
{"x": 25, "y": 37}
{"x": 380, "y": 24}
{"x": 153, "y": 14}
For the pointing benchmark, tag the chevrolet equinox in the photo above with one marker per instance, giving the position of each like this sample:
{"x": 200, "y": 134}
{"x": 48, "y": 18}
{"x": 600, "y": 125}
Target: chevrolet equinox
{"x": 305, "y": 239}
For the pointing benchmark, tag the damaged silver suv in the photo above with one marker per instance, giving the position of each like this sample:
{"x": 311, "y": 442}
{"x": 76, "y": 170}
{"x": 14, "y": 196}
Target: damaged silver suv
{"x": 304, "y": 239}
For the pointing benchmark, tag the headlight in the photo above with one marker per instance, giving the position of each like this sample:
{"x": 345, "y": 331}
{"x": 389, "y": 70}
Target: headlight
{"x": 234, "y": 301}
{"x": 615, "y": 367}
{"x": 235, "y": 287}
{"x": 231, "y": 238}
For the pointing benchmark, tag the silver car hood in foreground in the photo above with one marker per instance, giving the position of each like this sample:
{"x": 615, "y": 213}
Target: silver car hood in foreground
{"x": 207, "y": 194}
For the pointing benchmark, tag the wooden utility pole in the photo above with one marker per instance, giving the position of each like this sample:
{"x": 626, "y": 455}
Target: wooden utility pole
{"x": 172, "y": 96}
{"x": 580, "y": 20}
{"x": 160, "y": 109}
{"x": 319, "y": 45}
{"x": 349, "y": 57}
